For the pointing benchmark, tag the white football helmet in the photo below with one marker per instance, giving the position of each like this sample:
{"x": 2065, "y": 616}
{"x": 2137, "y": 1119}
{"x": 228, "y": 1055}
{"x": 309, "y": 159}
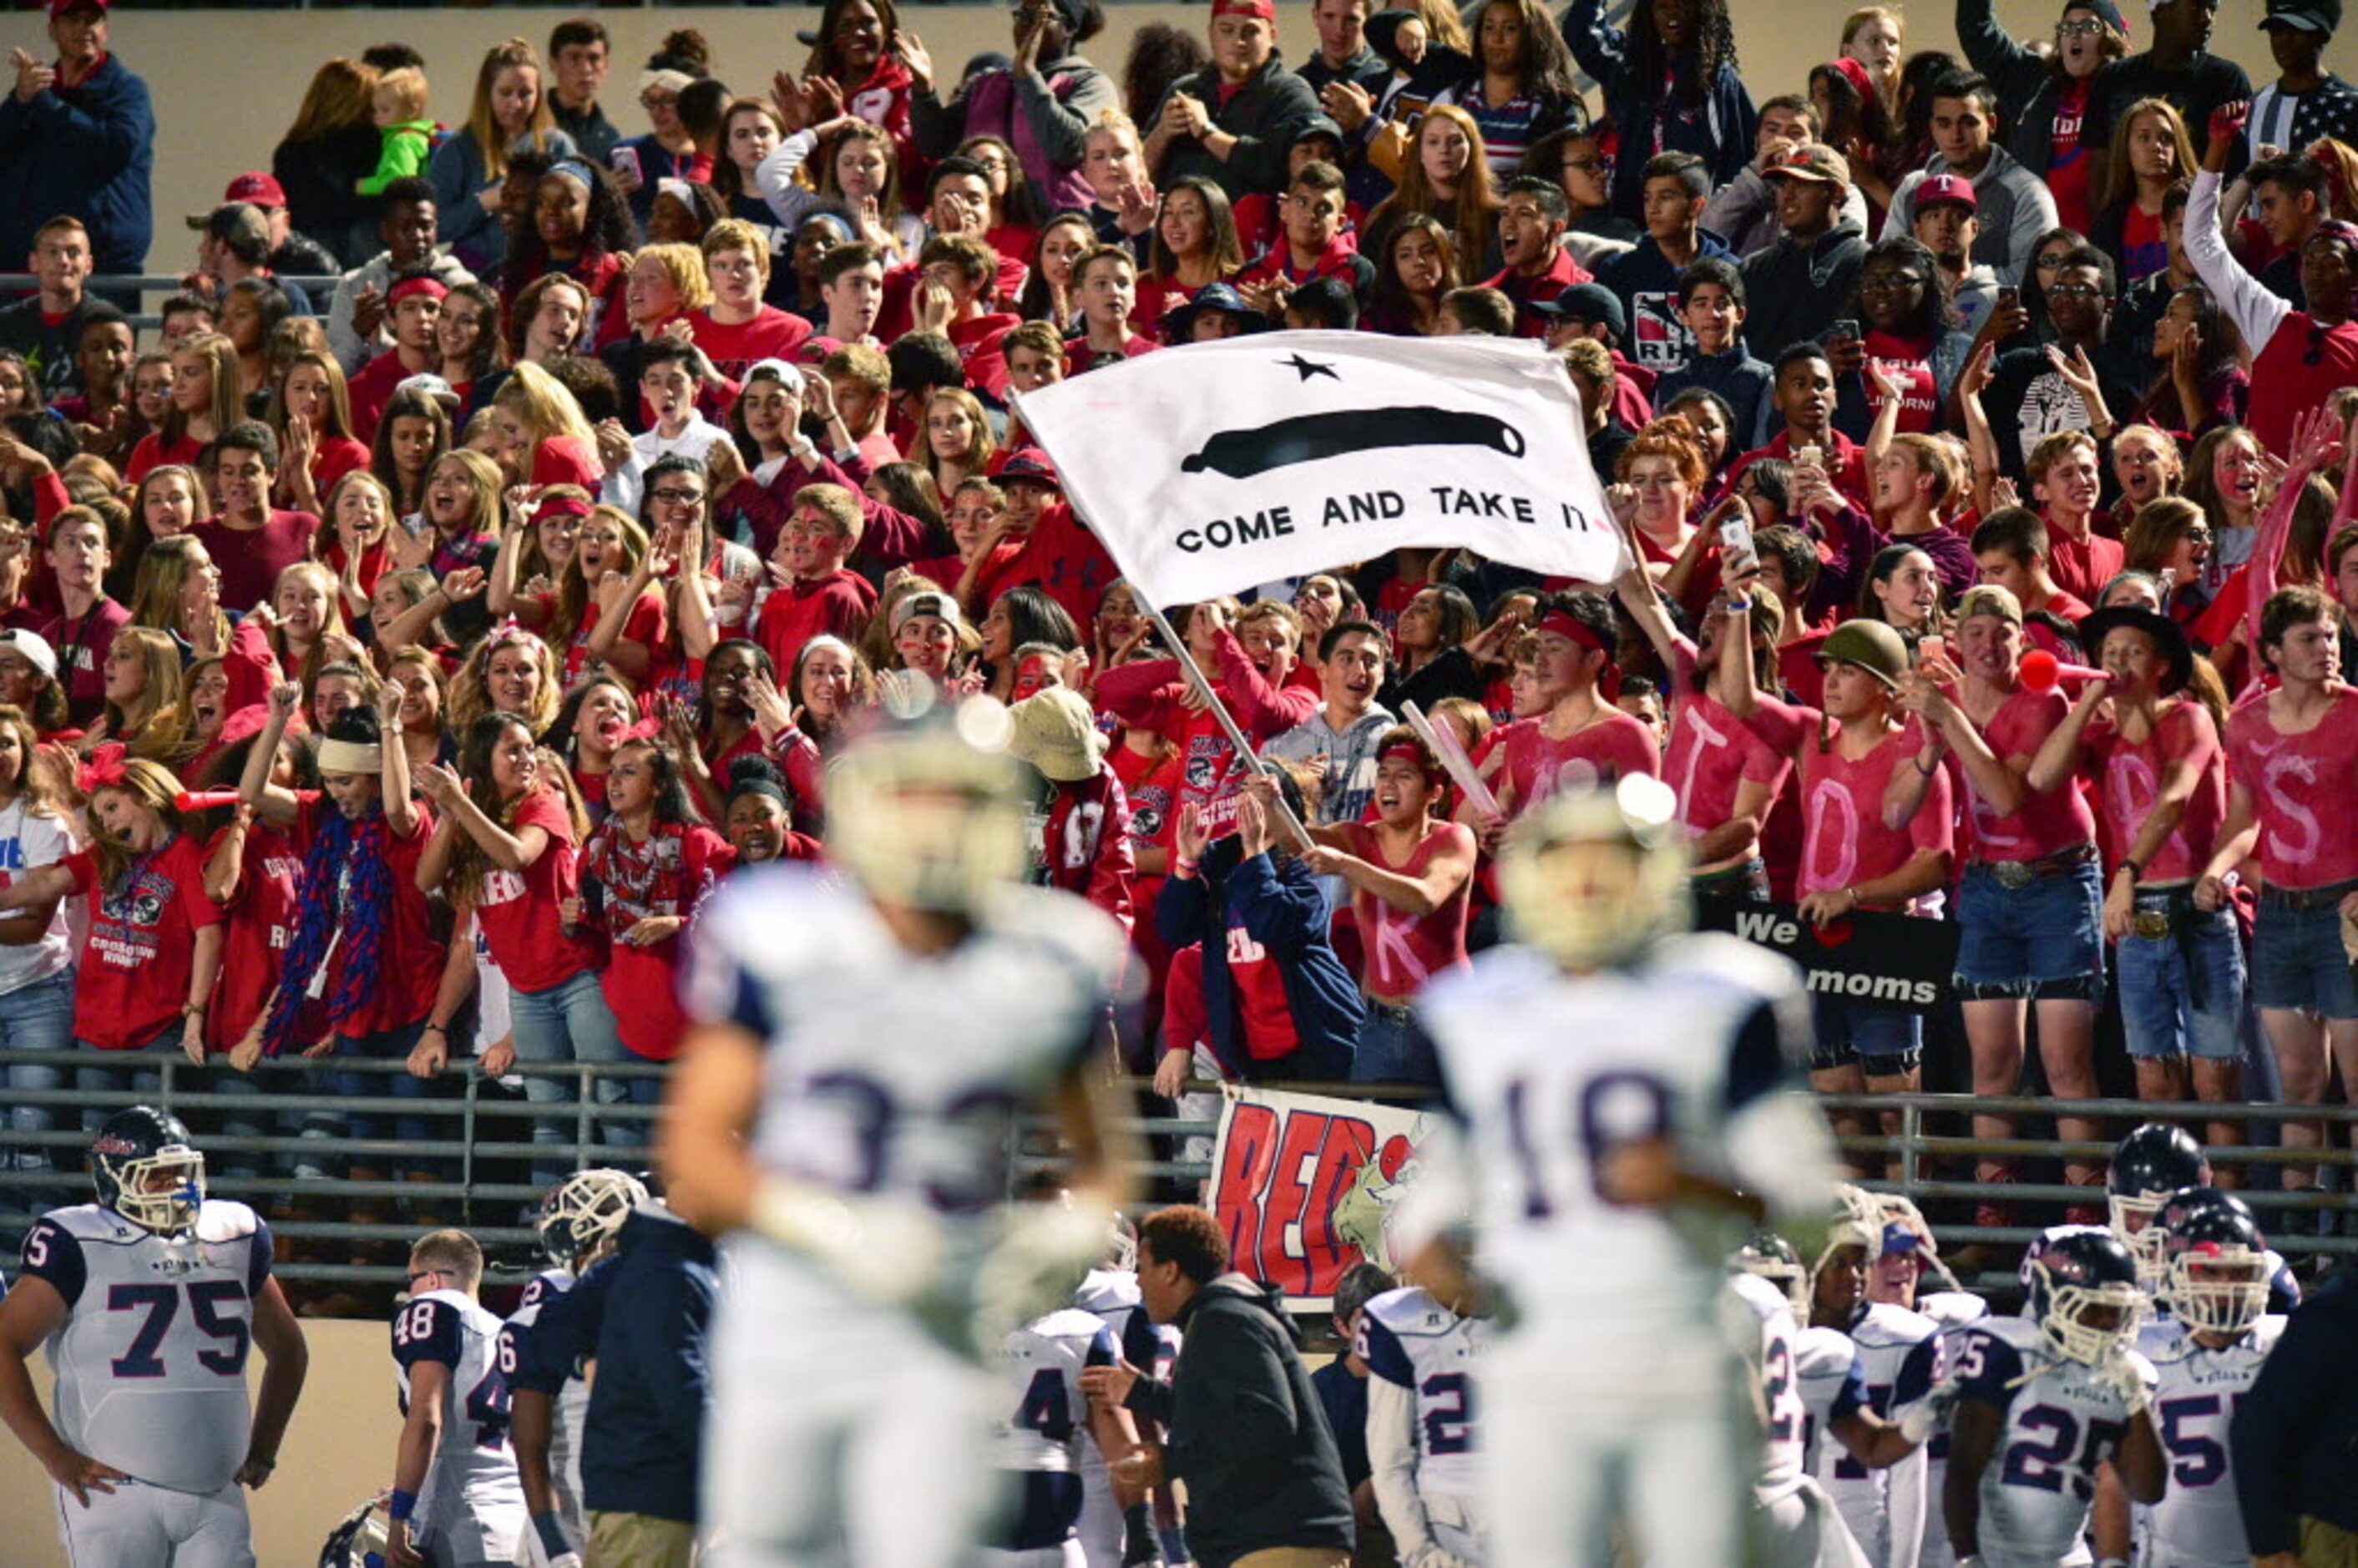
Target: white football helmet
{"x": 584, "y": 1210}
{"x": 1594, "y": 876}
{"x": 932, "y": 813}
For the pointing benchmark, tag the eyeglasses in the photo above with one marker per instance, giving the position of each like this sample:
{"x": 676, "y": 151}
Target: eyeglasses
{"x": 677, "y": 497}
{"x": 2198, "y": 534}
{"x": 1890, "y": 283}
{"x": 2075, "y": 291}
{"x": 2087, "y": 28}
{"x": 2054, "y": 263}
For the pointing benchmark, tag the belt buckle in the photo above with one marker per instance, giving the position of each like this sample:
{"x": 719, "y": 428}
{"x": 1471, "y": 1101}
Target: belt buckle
{"x": 2153, "y": 923}
{"x": 2014, "y": 875}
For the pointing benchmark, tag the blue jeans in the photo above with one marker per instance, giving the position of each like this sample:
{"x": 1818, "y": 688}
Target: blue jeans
{"x": 393, "y": 1045}
{"x": 569, "y": 1022}
{"x": 2184, "y": 992}
{"x": 1393, "y": 1051}
{"x": 1886, "y": 1041}
{"x": 38, "y": 1017}
{"x": 2040, "y": 941}
{"x": 124, "y": 1078}
{"x": 2297, "y": 961}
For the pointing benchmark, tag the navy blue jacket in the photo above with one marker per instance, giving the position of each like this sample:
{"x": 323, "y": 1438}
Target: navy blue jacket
{"x": 1284, "y": 909}
{"x": 644, "y": 1314}
{"x": 2296, "y": 1434}
{"x": 1716, "y": 125}
{"x": 85, "y": 152}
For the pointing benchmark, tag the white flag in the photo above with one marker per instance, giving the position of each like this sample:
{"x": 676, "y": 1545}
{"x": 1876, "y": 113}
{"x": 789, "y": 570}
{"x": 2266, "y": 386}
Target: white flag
{"x": 1208, "y": 468}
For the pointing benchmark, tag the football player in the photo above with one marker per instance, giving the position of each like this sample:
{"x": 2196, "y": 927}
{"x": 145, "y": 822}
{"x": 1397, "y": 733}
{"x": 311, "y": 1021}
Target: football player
{"x": 1794, "y": 1524}
{"x": 2154, "y": 1161}
{"x": 1896, "y": 1352}
{"x": 457, "y": 1502}
{"x": 148, "y": 1301}
{"x": 1908, "y": 1256}
{"x": 2044, "y": 1399}
{"x": 577, "y": 1225}
{"x": 2215, "y": 1271}
{"x": 1116, "y": 1524}
{"x": 1621, "y": 1089}
{"x": 844, "y": 1112}
{"x": 1038, "y": 1439}
{"x": 1423, "y": 1351}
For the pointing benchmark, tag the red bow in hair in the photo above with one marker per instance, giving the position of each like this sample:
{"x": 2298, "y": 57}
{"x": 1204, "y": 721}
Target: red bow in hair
{"x": 104, "y": 770}
{"x": 648, "y": 728}
{"x": 508, "y": 631}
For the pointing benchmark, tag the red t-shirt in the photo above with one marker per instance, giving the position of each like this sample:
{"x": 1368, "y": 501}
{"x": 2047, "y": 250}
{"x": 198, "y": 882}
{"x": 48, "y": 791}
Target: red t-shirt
{"x": 518, "y": 912}
{"x": 1612, "y": 747}
{"x": 1710, "y": 754}
{"x": 2047, "y": 823}
{"x": 1843, "y": 840}
{"x": 257, "y": 925}
{"x": 154, "y": 452}
{"x": 1908, "y": 362}
{"x": 1401, "y": 951}
{"x": 2069, "y": 165}
{"x": 772, "y": 334}
{"x": 1080, "y": 357}
{"x": 251, "y": 558}
{"x": 2128, "y": 780}
{"x": 1087, "y": 840}
{"x": 2302, "y": 792}
{"x": 645, "y": 627}
{"x": 2082, "y": 568}
{"x": 373, "y": 387}
{"x": 410, "y": 954}
{"x": 81, "y": 647}
{"x": 141, "y": 951}
{"x": 667, "y": 875}
{"x": 332, "y": 459}
{"x": 567, "y": 459}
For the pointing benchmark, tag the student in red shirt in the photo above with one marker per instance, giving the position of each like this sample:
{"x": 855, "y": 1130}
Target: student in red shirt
{"x": 1085, "y": 833}
{"x": 645, "y": 871}
{"x": 507, "y": 849}
{"x": 1852, "y": 857}
{"x": 204, "y": 403}
{"x": 144, "y": 978}
{"x": 252, "y": 541}
{"x": 2030, "y": 899}
{"x": 954, "y": 298}
{"x": 1412, "y": 877}
{"x": 413, "y": 307}
{"x": 310, "y": 413}
{"x": 2290, "y": 758}
{"x": 2067, "y": 481}
{"x": 737, "y": 331}
{"x": 362, "y": 965}
{"x": 85, "y": 628}
{"x": 2012, "y": 548}
{"x": 2146, "y": 744}
{"x": 1107, "y": 282}
{"x": 1580, "y": 734}
{"x": 818, "y": 594}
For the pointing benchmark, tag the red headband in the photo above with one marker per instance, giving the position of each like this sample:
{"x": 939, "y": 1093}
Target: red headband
{"x": 561, "y": 506}
{"x": 104, "y": 770}
{"x": 1265, "y": 9}
{"x": 408, "y": 288}
{"x": 1608, "y": 675}
{"x": 648, "y": 728}
{"x": 1855, "y": 74}
{"x": 1402, "y": 751}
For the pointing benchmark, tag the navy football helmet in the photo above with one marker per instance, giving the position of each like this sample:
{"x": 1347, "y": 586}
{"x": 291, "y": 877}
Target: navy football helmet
{"x": 2215, "y": 1259}
{"x": 2153, "y": 1162}
{"x": 2077, "y": 1274}
{"x": 146, "y": 1170}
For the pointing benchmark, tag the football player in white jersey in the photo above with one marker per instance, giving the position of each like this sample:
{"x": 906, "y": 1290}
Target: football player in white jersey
{"x": 1038, "y": 1439}
{"x": 1897, "y": 1355}
{"x": 1423, "y": 1351}
{"x": 1794, "y": 1524}
{"x": 148, "y": 1301}
{"x": 2207, "y": 1352}
{"x": 2043, "y": 1400}
{"x": 2156, "y": 1161}
{"x": 844, "y": 1112}
{"x": 1910, "y": 1256}
{"x": 578, "y": 1223}
{"x": 1118, "y": 1523}
{"x": 1621, "y": 1094}
{"x": 457, "y": 1502}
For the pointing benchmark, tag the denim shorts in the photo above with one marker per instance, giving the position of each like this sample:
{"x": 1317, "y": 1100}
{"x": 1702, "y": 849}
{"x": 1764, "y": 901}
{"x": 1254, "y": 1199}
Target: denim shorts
{"x": 2298, "y": 962}
{"x": 1886, "y": 1041}
{"x": 2043, "y": 941}
{"x": 2183, "y": 993}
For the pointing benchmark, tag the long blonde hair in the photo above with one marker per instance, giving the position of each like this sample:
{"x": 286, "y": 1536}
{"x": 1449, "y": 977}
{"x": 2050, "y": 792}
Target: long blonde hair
{"x": 338, "y": 418}
{"x": 484, "y": 125}
{"x": 575, "y": 605}
{"x": 228, "y": 405}
{"x": 157, "y": 728}
{"x": 543, "y": 407}
{"x": 152, "y": 785}
{"x": 470, "y": 696}
{"x": 157, "y": 593}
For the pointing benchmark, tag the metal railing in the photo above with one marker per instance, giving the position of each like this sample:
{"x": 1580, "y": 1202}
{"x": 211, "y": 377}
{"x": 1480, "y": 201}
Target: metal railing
{"x": 115, "y": 285}
{"x": 480, "y": 1165}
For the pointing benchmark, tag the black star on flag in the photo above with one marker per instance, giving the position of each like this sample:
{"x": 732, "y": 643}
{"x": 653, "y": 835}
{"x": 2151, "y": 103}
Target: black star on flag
{"x": 1308, "y": 368}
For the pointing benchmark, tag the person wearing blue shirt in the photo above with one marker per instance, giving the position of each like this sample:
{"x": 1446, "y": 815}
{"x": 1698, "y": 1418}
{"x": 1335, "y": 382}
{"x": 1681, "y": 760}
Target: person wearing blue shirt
{"x": 78, "y": 139}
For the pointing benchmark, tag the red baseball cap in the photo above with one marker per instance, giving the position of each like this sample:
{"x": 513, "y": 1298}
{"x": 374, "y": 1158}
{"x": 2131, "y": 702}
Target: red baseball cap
{"x": 1265, "y": 9}
{"x": 1949, "y": 188}
{"x": 1029, "y": 465}
{"x": 261, "y": 189}
{"x": 67, "y": 7}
